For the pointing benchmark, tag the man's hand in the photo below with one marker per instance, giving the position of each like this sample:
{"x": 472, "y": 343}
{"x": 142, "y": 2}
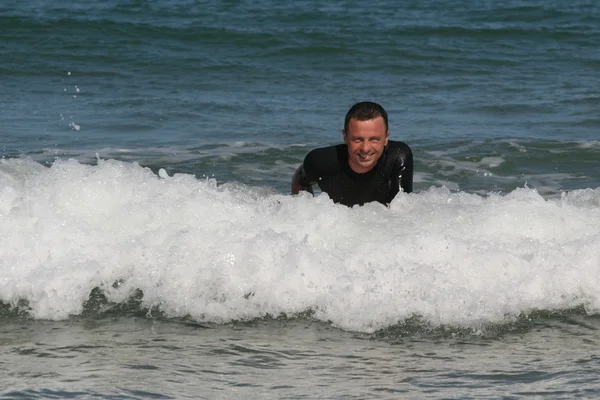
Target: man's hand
{"x": 297, "y": 188}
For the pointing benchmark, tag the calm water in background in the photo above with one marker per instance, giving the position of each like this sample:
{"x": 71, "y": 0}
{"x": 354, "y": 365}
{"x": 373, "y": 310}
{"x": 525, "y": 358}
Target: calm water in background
{"x": 149, "y": 248}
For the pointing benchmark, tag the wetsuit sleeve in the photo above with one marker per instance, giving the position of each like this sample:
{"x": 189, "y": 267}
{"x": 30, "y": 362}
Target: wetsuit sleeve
{"x": 301, "y": 177}
{"x": 318, "y": 167}
{"x": 305, "y": 176}
{"x": 402, "y": 167}
{"x": 406, "y": 171}
{"x": 307, "y": 173}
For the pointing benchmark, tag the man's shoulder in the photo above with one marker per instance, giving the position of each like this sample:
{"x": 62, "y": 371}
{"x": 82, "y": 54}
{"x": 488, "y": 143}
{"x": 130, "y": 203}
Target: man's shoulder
{"x": 327, "y": 151}
{"x": 324, "y": 160}
{"x": 325, "y": 155}
{"x": 398, "y": 155}
{"x": 397, "y": 146}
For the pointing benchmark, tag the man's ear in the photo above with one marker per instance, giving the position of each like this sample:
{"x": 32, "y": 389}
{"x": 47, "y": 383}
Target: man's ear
{"x": 345, "y": 136}
{"x": 387, "y": 136}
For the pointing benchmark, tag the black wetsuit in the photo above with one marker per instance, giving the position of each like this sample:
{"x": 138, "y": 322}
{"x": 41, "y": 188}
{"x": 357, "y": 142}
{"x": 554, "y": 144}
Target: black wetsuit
{"x": 328, "y": 167}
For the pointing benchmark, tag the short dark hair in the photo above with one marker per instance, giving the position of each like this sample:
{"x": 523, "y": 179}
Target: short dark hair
{"x": 365, "y": 111}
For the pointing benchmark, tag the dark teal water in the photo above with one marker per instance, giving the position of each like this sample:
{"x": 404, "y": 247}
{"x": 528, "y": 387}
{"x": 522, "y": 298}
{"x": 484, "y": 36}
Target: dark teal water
{"x": 483, "y": 284}
{"x": 178, "y": 75}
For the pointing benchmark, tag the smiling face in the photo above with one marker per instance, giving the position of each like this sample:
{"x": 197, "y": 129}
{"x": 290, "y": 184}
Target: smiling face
{"x": 366, "y": 141}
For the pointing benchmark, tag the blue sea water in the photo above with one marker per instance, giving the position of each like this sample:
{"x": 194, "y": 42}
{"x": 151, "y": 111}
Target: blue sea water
{"x": 149, "y": 247}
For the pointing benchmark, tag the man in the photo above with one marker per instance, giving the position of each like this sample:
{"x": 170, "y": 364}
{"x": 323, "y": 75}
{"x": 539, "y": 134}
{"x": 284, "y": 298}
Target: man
{"x": 367, "y": 167}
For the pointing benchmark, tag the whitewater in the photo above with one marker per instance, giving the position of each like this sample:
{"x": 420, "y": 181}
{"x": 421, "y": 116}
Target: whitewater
{"x": 230, "y": 252}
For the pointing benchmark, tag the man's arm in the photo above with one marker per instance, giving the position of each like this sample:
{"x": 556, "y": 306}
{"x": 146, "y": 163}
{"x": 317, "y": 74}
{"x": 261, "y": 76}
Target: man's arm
{"x": 402, "y": 168}
{"x": 300, "y": 182}
{"x": 406, "y": 177}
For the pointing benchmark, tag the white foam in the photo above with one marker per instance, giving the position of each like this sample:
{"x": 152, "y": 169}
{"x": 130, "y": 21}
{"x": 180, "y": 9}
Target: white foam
{"x": 492, "y": 162}
{"x": 172, "y": 153}
{"x": 514, "y": 143}
{"x": 590, "y": 144}
{"x": 220, "y": 253}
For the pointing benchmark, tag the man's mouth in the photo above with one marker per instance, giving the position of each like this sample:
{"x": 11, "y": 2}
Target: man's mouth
{"x": 364, "y": 157}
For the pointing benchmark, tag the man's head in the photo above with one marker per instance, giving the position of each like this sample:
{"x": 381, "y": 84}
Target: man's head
{"x": 366, "y": 135}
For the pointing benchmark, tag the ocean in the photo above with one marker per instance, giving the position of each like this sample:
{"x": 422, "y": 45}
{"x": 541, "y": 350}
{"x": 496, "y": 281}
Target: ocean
{"x": 149, "y": 246}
